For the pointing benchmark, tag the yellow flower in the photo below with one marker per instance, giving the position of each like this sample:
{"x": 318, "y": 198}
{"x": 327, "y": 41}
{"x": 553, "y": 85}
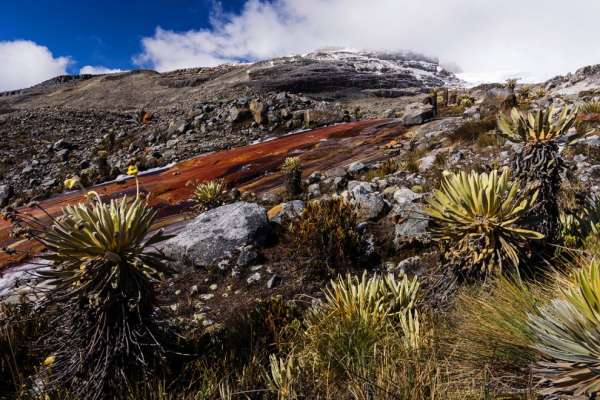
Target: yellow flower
{"x": 71, "y": 183}
{"x": 132, "y": 170}
{"x": 49, "y": 361}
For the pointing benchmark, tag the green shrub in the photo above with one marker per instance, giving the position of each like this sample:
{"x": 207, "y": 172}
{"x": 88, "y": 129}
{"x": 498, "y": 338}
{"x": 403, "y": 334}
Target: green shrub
{"x": 105, "y": 332}
{"x": 388, "y": 167}
{"x": 292, "y": 171}
{"x": 476, "y": 216}
{"x": 326, "y": 233}
{"x": 470, "y": 131}
{"x": 357, "y": 315}
{"x": 567, "y": 335}
{"x": 20, "y": 327}
{"x": 209, "y": 194}
{"x": 490, "y": 340}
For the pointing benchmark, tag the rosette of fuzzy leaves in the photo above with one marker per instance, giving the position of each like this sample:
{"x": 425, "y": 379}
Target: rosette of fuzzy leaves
{"x": 568, "y": 336}
{"x": 538, "y": 163}
{"x": 209, "y": 194}
{"x": 536, "y": 127}
{"x": 477, "y": 216}
{"x": 101, "y": 281}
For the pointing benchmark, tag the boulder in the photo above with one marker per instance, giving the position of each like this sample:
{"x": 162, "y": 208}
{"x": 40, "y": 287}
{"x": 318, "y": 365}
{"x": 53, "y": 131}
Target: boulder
{"x": 239, "y": 114}
{"x": 314, "y": 177}
{"x": 178, "y": 126}
{"x": 404, "y": 196}
{"x": 5, "y": 194}
{"x": 412, "y": 266}
{"x": 314, "y": 118}
{"x": 369, "y": 205}
{"x": 258, "y": 110}
{"x": 334, "y": 184}
{"x": 356, "y": 167}
{"x": 314, "y": 190}
{"x": 412, "y": 226}
{"x": 247, "y": 256}
{"x": 426, "y": 162}
{"x": 216, "y": 233}
{"x": 417, "y": 114}
{"x": 472, "y": 112}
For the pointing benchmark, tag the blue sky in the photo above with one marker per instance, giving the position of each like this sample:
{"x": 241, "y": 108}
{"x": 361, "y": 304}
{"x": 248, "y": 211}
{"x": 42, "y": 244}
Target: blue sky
{"x": 490, "y": 40}
{"x": 106, "y": 32}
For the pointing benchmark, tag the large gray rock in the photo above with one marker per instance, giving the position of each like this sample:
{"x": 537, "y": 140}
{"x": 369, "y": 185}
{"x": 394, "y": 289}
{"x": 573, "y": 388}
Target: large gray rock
{"x": 417, "y": 114}
{"x": 216, "y": 233}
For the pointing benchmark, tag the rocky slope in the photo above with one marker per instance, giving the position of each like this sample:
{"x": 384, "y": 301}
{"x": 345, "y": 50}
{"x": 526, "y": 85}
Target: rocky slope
{"x": 93, "y": 126}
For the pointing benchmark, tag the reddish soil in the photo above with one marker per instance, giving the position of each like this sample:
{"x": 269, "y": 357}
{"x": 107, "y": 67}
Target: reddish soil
{"x": 250, "y": 168}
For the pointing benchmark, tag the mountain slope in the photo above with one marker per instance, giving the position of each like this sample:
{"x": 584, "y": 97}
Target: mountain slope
{"x": 333, "y": 74}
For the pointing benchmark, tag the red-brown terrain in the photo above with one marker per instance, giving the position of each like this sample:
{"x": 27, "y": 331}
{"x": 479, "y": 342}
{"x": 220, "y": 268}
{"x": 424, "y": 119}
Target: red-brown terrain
{"x": 249, "y": 168}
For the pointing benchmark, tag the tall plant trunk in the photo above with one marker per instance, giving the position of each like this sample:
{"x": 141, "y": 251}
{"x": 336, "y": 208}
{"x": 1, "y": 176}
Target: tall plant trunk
{"x": 293, "y": 182}
{"x": 445, "y": 94}
{"x": 539, "y": 166}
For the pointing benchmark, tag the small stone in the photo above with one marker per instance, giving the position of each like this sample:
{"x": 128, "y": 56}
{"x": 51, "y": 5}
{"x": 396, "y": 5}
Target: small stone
{"x": 213, "y": 287}
{"x": 177, "y": 292}
{"x": 194, "y": 289}
{"x": 247, "y": 256}
{"x": 197, "y": 317}
{"x": 286, "y": 211}
{"x": 223, "y": 264}
{"x": 410, "y": 266}
{"x": 404, "y": 196}
{"x": 206, "y": 296}
{"x": 356, "y": 167}
{"x": 270, "y": 198}
{"x": 314, "y": 190}
{"x": 315, "y": 177}
{"x": 426, "y": 162}
{"x": 255, "y": 277}
{"x": 273, "y": 281}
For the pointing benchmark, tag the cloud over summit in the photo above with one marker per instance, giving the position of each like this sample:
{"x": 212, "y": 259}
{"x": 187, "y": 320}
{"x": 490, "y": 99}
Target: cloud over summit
{"x": 535, "y": 38}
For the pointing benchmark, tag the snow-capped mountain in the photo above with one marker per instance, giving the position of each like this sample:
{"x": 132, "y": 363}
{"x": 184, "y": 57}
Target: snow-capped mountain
{"x": 351, "y": 69}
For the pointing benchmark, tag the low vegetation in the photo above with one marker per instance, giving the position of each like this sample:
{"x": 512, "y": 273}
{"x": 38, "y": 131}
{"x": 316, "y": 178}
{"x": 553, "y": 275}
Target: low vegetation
{"x": 470, "y": 131}
{"x": 327, "y": 234}
{"x": 476, "y": 217}
{"x": 209, "y": 194}
{"x": 507, "y": 303}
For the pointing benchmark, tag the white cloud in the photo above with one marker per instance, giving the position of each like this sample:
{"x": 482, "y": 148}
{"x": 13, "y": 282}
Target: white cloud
{"x": 24, "y": 63}
{"x": 542, "y": 38}
{"x": 98, "y": 70}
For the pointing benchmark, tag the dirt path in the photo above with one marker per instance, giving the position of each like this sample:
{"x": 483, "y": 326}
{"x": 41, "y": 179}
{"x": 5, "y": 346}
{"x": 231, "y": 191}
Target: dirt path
{"x": 252, "y": 167}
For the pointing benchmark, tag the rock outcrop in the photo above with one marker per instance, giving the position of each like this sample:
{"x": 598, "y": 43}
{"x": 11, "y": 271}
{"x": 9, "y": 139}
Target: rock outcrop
{"x": 215, "y": 234}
